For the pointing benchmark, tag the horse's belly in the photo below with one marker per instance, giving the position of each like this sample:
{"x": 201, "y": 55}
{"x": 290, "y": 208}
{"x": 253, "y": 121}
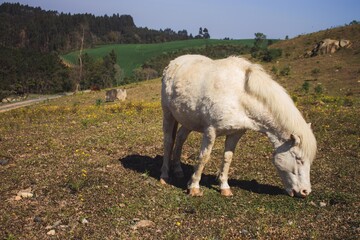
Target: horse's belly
{"x": 186, "y": 115}
{"x": 226, "y": 118}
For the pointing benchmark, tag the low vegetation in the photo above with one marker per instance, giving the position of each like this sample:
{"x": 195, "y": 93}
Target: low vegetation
{"x": 93, "y": 168}
{"x": 78, "y": 167}
{"x": 337, "y": 74}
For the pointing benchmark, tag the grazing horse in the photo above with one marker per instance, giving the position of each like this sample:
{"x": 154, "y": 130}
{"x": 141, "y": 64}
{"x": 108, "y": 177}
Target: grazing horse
{"x": 227, "y": 97}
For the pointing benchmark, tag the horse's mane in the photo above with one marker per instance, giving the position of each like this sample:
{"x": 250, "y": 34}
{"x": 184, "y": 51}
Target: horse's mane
{"x": 260, "y": 85}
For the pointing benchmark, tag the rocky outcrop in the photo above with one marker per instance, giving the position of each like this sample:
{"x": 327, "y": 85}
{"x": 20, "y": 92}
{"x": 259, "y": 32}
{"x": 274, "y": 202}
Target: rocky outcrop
{"x": 113, "y": 94}
{"x": 328, "y": 46}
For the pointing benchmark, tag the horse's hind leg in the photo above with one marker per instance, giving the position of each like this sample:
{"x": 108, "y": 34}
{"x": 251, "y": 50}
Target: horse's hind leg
{"x": 206, "y": 147}
{"x": 230, "y": 145}
{"x": 181, "y": 137}
{"x": 169, "y": 130}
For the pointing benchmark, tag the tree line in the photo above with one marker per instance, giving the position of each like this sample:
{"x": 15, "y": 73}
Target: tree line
{"x": 24, "y": 71}
{"x": 28, "y": 71}
{"x": 31, "y": 40}
{"x": 23, "y": 26}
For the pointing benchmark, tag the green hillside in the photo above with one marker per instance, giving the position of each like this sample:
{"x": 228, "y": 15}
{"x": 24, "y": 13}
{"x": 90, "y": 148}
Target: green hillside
{"x": 131, "y": 56}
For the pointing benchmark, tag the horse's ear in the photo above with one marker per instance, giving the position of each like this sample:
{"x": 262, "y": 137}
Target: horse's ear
{"x": 309, "y": 124}
{"x": 296, "y": 139}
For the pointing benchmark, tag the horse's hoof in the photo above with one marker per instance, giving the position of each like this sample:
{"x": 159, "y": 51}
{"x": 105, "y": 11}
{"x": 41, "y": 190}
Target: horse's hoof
{"x": 226, "y": 192}
{"x": 195, "y": 192}
{"x": 164, "y": 181}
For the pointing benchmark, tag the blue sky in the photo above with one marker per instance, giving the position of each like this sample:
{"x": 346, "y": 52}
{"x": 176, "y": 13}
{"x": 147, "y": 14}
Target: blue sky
{"x": 223, "y": 18}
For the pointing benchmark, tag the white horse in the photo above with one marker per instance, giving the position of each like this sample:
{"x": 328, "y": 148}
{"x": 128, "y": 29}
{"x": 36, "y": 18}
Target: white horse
{"x": 227, "y": 97}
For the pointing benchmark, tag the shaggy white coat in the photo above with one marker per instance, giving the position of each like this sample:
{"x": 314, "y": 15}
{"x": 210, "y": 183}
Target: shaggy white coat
{"x": 226, "y": 97}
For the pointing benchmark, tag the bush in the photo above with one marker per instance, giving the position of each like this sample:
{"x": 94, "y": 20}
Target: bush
{"x": 318, "y": 89}
{"x": 306, "y": 87}
{"x": 266, "y": 55}
{"x": 144, "y": 74}
{"x": 285, "y": 71}
{"x": 271, "y": 54}
{"x": 348, "y": 102}
{"x": 275, "y": 70}
{"x": 98, "y": 102}
{"x": 315, "y": 71}
{"x": 4, "y": 94}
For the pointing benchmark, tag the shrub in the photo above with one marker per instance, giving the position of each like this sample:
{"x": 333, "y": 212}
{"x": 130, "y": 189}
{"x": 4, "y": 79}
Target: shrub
{"x": 338, "y": 67}
{"x": 98, "y": 102}
{"x": 285, "y": 71}
{"x": 315, "y": 71}
{"x": 275, "y": 70}
{"x": 348, "y": 102}
{"x": 305, "y": 87}
{"x": 266, "y": 55}
{"x": 318, "y": 89}
{"x": 271, "y": 54}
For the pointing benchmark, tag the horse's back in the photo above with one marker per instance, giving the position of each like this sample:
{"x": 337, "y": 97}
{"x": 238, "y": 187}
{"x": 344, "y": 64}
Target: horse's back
{"x": 199, "y": 91}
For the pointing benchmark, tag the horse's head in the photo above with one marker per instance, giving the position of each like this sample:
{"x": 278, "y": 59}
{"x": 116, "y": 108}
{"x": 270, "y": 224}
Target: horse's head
{"x": 293, "y": 167}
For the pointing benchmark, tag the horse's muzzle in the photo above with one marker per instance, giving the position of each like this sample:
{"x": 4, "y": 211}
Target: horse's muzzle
{"x": 303, "y": 193}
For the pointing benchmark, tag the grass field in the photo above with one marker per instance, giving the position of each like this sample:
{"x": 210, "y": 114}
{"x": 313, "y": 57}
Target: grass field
{"x": 131, "y": 56}
{"x": 91, "y": 169}
{"x": 86, "y": 159}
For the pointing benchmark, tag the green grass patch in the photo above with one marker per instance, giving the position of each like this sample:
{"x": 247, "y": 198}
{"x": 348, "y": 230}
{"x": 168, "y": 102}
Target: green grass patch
{"x": 131, "y": 56}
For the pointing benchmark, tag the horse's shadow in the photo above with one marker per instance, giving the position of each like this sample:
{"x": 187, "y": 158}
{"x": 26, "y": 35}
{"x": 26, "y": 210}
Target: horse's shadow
{"x": 151, "y": 167}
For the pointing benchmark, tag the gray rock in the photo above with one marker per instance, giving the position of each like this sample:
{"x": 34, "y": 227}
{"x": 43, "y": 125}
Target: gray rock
{"x": 4, "y": 161}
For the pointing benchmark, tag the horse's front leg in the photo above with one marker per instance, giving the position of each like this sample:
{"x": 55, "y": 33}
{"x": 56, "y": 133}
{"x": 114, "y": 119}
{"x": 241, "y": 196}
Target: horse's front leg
{"x": 206, "y": 147}
{"x": 230, "y": 145}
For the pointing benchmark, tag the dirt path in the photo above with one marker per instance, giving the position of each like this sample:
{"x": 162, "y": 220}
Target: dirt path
{"x": 25, "y": 103}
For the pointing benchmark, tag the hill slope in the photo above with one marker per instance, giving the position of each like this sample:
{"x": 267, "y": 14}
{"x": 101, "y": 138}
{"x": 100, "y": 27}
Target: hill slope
{"x": 338, "y": 73}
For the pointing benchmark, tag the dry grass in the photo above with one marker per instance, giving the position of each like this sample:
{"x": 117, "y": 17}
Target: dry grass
{"x": 86, "y": 159}
{"x": 338, "y": 73}
{"x": 101, "y": 162}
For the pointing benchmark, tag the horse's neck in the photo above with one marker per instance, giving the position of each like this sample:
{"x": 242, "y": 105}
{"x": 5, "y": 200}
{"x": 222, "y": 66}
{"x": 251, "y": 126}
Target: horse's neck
{"x": 275, "y": 139}
{"x": 268, "y": 127}
{"x": 264, "y": 122}
{"x": 275, "y": 133}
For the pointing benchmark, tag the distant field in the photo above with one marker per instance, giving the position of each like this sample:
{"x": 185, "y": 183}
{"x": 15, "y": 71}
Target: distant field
{"x": 131, "y": 56}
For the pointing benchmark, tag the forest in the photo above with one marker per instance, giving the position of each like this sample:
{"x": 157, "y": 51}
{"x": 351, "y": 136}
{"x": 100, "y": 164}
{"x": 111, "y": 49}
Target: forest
{"x": 23, "y": 26}
{"x": 31, "y": 40}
